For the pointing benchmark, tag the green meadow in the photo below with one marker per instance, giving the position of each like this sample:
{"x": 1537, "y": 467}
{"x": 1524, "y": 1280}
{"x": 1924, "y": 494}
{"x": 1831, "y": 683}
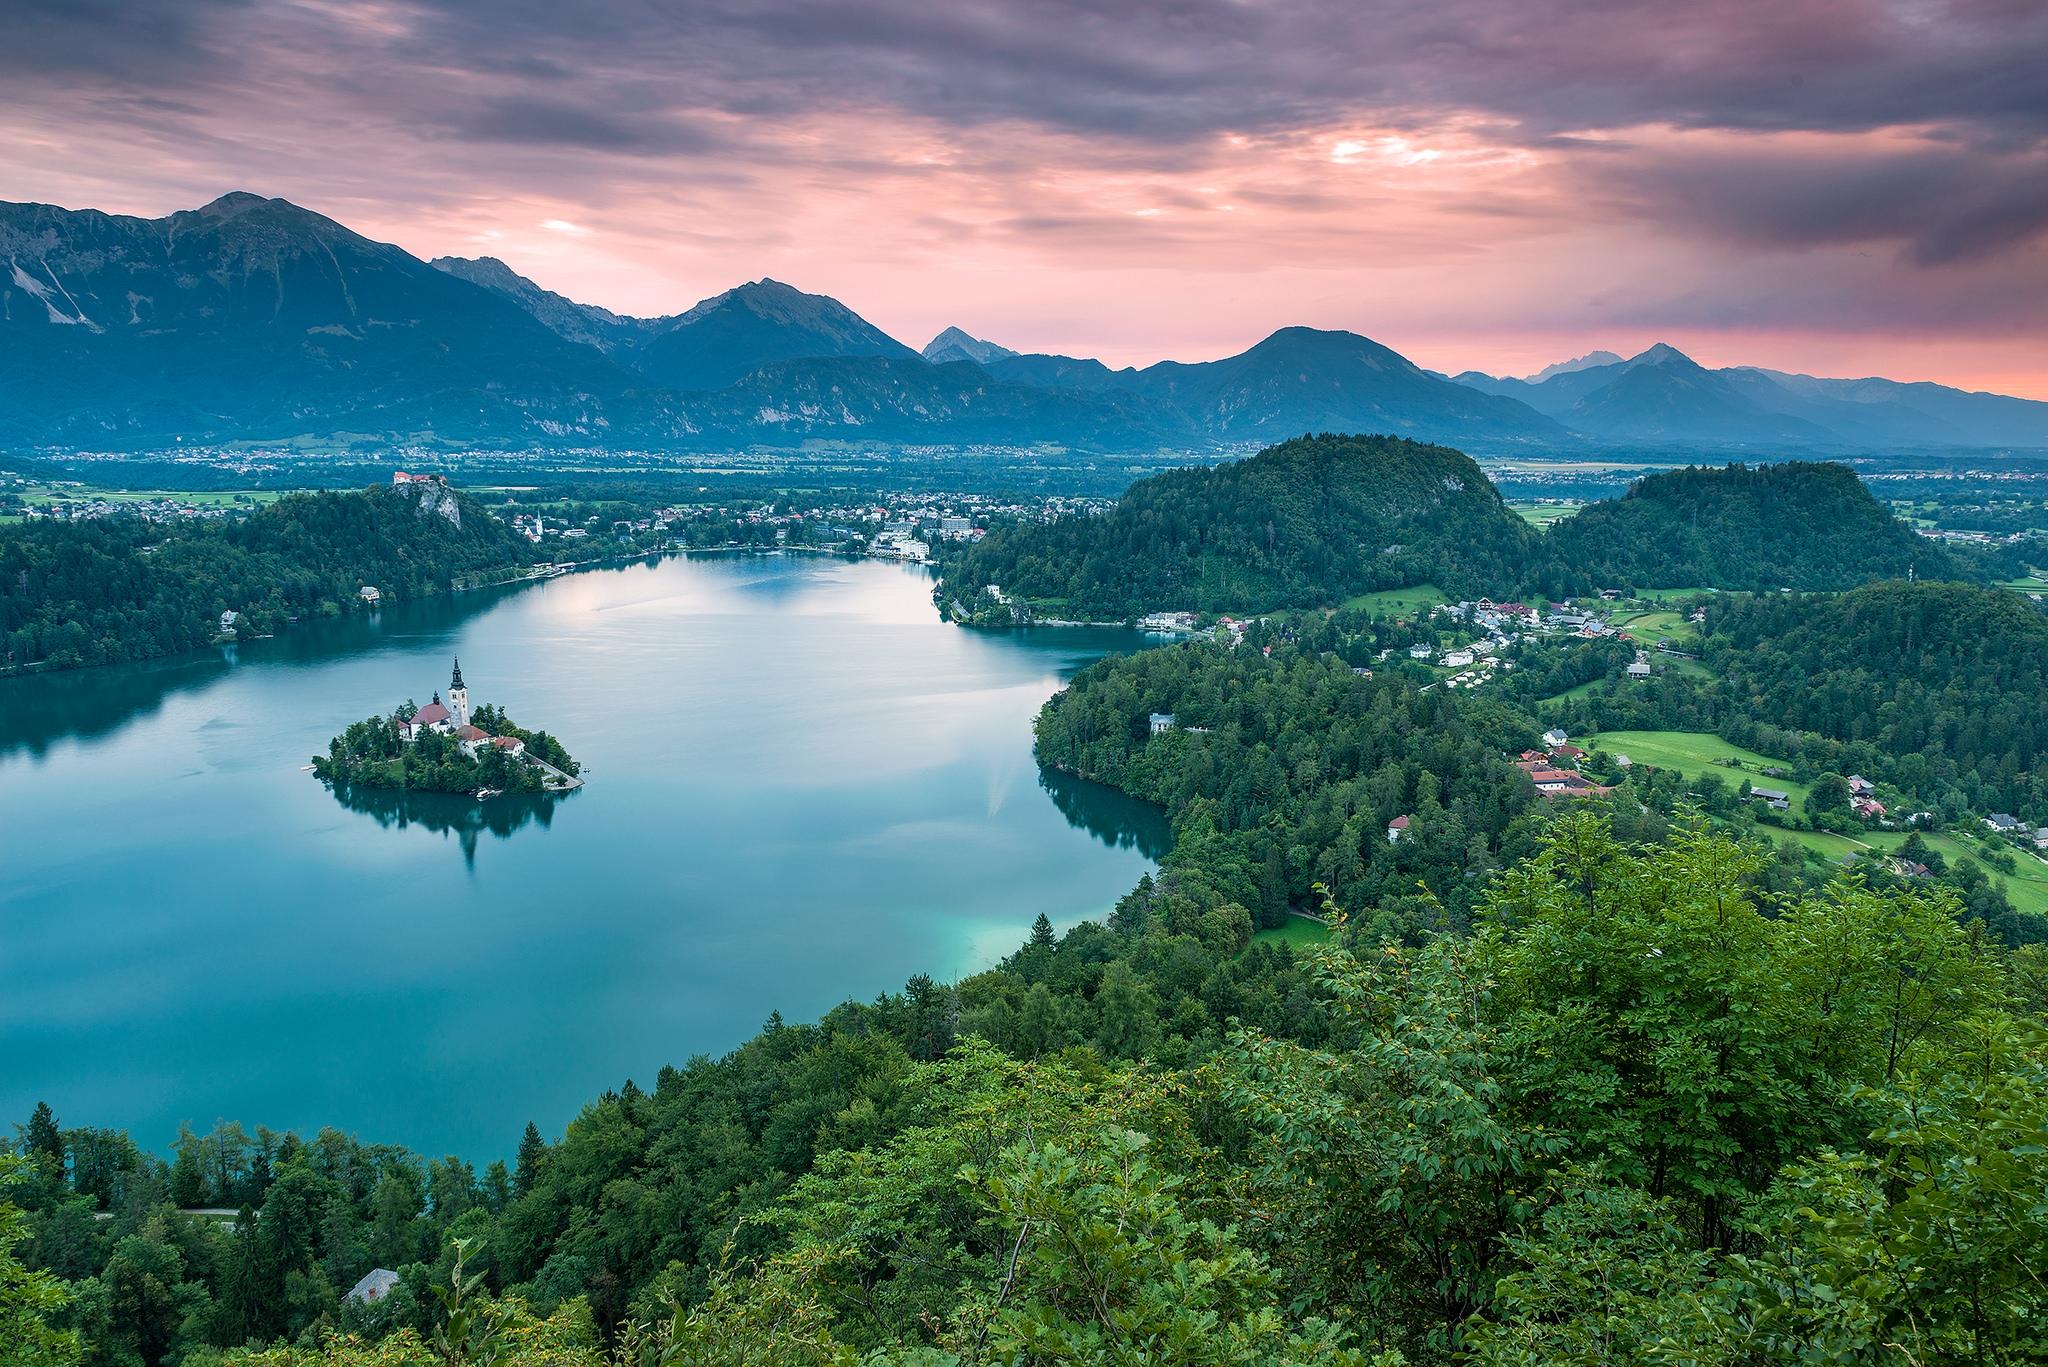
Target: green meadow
{"x": 1693, "y": 753}
{"x": 1397, "y": 602}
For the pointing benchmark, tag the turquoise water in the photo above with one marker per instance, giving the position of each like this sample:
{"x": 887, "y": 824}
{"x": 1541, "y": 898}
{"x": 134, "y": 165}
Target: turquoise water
{"x": 803, "y": 787}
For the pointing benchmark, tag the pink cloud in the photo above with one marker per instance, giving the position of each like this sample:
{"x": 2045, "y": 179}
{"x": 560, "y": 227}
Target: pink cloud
{"x": 1502, "y": 185}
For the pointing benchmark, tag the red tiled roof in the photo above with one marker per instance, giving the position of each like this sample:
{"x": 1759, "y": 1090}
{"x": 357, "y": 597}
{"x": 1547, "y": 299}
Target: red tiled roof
{"x": 1399, "y": 823}
{"x": 432, "y": 712}
{"x": 472, "y": 733}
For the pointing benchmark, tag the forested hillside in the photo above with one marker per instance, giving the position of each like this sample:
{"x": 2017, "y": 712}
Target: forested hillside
{"x": 1303, "y": 523}
{"x": 98, "y": 592}
{"x": 1641, "y": 1113}
{"x": 1953, "y": 674}
{"x": 1281, "y": 775}
{"x": 1594, "y": 1085}
{"x": 1317, "y": 520}
{"x": 1796, "y": 525}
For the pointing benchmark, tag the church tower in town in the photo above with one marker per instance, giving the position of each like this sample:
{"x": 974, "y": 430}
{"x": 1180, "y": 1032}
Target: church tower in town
{"x": 458, "y": 699}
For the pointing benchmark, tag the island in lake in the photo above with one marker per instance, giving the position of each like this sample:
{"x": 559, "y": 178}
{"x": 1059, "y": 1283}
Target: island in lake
{"x": 444, "y": 747}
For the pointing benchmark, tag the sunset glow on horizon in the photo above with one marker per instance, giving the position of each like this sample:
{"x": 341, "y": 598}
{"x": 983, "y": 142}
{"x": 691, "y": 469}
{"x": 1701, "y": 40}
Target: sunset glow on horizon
{"x": 1840, "y": 187}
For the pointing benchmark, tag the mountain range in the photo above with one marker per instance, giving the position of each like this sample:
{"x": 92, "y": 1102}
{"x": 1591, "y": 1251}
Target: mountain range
{"x": 255, "y": 319}
{"x": 1663, "y": 395}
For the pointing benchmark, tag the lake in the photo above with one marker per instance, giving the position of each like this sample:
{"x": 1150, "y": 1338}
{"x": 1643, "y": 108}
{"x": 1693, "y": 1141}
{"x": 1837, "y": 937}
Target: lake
{"x": 802, "y": 787}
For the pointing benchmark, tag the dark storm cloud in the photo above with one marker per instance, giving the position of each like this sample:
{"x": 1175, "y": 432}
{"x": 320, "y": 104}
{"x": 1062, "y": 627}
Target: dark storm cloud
{"x": 1157, "y": 70}
{"x": 1171, "y": 69}
{"x": 153, "y": 45}
{"x": 1605, "y": 89}
{"x": 542, "y": 121}
{"x": 1941, "y": 206}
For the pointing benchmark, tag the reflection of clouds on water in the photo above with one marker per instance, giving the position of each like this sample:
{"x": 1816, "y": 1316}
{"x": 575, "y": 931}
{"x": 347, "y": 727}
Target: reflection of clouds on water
{"x": 450, "y": 814}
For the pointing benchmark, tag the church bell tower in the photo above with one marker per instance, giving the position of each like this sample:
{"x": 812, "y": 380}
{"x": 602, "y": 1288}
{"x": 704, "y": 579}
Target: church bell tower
{"x": 458, "y": 699}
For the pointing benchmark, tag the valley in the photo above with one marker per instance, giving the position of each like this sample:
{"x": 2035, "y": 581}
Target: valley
{"x": 1024, "y": 685}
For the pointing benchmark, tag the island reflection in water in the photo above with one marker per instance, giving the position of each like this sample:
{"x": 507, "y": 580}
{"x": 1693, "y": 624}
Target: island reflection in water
{"x": 807, "y": 786}
{"x": 465, "y": 818}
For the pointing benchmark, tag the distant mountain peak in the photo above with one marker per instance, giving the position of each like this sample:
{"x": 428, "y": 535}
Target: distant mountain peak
{"x": 585, "y": 323}
{"x": 1588, "y": 361}
{"x": 772, "y": 298}
{"x": 1663, "y": 353}
{"x": 733, "y": 333}
{"x": 234, "y": 201}
{"x": 955, "y": 344}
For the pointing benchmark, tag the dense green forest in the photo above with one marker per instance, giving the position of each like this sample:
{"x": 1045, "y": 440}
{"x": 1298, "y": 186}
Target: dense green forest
{"x": 1796, "y": 525}
{"x": 1642, "y": 1111}
{"x": 1940, "y": 688}
{"x": 103, "y": 591}
{"x": 1303, "y": 523}
{"x": 1282, "y": 774}
{"x": 1582, "y": 1082}
{"x": 1315, "y": 521}
{"x": 1594, "y": 1085}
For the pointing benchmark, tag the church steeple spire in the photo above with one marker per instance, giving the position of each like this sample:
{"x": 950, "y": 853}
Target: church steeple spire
{"x": 458, "y": 698}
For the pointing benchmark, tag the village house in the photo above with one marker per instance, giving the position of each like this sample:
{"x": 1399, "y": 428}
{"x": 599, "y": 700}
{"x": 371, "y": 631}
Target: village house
{"x": 1162, "y": 722}
{"x": 1167, "y": 621}
{"x": 1553, "y": 782}
{"x": 375, "y": 1285}
{"x": 2005, "y": 823}
{"x": 1773, "y": 798}
{"x": 1396, "y": 828}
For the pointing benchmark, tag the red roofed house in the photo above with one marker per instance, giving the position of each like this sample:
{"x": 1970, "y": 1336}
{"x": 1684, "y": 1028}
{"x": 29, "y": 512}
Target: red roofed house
{"x": 1554, "y": 782}
{"x": 432, "y": 717}
{"x": 1396, "y": 829}
{"x": 449, "y": 718}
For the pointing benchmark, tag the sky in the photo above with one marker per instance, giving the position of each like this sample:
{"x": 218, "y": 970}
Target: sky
{"x": 1841, "y": 187}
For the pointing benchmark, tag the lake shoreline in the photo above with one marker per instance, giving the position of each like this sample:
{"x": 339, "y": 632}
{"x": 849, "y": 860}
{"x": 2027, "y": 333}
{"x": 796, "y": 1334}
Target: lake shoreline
{"x": 799, "y": 732}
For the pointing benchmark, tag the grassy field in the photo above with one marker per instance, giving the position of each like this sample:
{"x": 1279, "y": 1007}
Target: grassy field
{"x": 1297, "y": 932}
{"x": 1824, "y": 843}
{"x": 1579, "y": 691}
{"x": 41, "y": 495}
{"x": 1543, "y": 514}
{"x": 1397, "y": 602}
{"x": 1650, "y": 628}
{"x": 1693, "y": 753}
{"x": 1670, "y": 595}
{"x": 2027, "y": 886}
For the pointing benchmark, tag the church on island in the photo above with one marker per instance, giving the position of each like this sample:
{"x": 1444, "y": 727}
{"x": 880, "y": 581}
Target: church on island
{"x": 441, "y": 748}
{"x": 452, "y": 719}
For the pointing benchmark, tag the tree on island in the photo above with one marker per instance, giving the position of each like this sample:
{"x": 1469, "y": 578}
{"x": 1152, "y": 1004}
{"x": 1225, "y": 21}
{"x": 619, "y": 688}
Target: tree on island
{"x": 375, "y": 753}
